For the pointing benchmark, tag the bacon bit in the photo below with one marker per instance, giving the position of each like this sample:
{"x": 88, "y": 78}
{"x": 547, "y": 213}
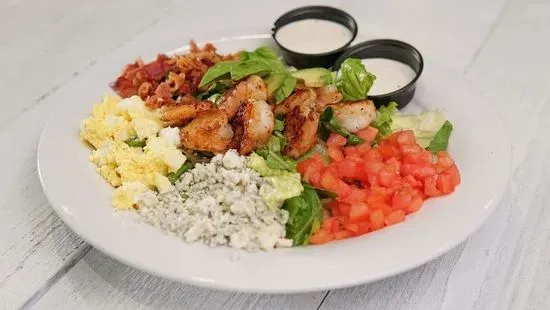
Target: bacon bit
{"x": 168, "y": 77}
{"x": 163, "y": 91}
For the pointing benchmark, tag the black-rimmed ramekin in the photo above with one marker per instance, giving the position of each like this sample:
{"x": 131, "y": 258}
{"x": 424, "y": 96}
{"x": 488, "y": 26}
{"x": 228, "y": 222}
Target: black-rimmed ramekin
{"x": 325, "y": 60}
{"x": 389, "y": 49}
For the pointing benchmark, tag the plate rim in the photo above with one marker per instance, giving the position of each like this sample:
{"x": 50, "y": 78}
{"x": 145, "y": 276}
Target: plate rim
{"x": 221, "y": 286}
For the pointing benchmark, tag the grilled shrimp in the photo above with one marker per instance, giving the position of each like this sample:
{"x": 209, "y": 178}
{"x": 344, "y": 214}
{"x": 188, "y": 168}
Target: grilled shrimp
{"x": 181, "y": 114}
{"x": 300, "y": 130}
{"x": 355, "y": 115}
{"x": 303, "y": 96}
{"x": 253, "y": 87}
{"x": 252, "y": 125}
{"x": 209, "y": 131}
{"x": 326, "y": 95}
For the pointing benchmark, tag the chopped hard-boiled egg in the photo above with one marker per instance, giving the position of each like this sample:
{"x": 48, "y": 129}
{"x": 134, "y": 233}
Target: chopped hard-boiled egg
{"x": 128, "y": 195}
{"x": 132, "y": 170}
{"x": 146, "y": 128}
{"x": 172, "y": 135}
{"x": 163, "y": 149}
{"x": 163, "y": 184}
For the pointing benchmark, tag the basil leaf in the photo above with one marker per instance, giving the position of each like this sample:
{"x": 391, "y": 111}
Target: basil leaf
{"x": 175, "y": 176}
{"x": 355, "y": 81}
{"x": 441, "y": 138}
{"x": 135, "y": 142}
{"x": 305, "y": 215}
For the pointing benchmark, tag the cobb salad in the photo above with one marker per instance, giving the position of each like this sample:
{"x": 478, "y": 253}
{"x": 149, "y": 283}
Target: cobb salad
{"x": 244, "y": 151}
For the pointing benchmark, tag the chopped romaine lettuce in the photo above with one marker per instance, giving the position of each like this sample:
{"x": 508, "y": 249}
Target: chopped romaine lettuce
{"x": 305, "y": 215}
{"x": 441, "y": 138}
{"x": 354, "y": 81}
{"x": 424, "y": 125}
{"x": 383, "y": 119}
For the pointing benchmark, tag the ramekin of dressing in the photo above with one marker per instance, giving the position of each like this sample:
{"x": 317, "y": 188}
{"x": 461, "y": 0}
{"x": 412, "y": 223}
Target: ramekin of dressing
{"x": 314, "y": 36}
{"x": 397, "y": 66}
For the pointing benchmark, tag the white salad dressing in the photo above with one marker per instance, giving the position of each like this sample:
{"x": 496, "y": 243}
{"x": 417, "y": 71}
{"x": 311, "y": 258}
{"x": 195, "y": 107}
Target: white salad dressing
{"x": 313, "y": 36}
{"x": 391, "y": 75}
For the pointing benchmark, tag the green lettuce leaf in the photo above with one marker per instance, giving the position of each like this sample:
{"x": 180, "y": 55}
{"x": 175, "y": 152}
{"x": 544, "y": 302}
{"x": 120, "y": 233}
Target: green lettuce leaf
{"x": 384, "y": 120}
{"x": 354, "y": 81}
{"x": 425, "y": 125}
{"x": 305, "y": 216}
{"x": 441, "y": 138}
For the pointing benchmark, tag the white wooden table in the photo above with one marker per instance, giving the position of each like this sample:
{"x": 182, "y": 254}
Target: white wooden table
{"x": 501, "y": 46}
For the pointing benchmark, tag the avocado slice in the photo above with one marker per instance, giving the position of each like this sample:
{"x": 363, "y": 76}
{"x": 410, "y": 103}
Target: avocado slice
{"x": 274, "y": 81}
{"x": 312, "y": 77}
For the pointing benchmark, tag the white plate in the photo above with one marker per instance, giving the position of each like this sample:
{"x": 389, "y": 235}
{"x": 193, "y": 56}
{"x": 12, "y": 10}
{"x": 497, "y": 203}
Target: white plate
{"x": 82, "y": 199}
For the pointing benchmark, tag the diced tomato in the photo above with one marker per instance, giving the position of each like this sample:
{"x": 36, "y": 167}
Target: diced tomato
{"x": 388, "y": 151}
{"x": 406, "y": 138}
{"x": 350, "y": 150}
{"x": 376, "y": 186}
{"x": 344, "y": 209}
{"x": 372, "y": 179}
{"x": 418, "y": 158}
{"x": 356, "y": 195}
{"x": 336, "y": 140}
{"x": 418, "y": 171}
{"x": 416, "y": 204}
{"x": 335, "y": 211}
{"x": 387, "y": 175}
{"x": 358, "y": 212}
{"x": 368, "y": 134}
{"x": 445, "y": 183}
{"x": 395, "y": 217}
{"x": 372, "y": 156}
{"x": 430, "y": 186}
{"x": 376, "y": 219}
{"x": 313, "y": 177}
{"x": 347, "y": 169}
{"x": 315, "y": 162}
{"x": 320, "y": 237}
{"x": 331, "y": 224}
{"x": 455, "y": 174}
{"x": 406, "y": 149}
{"x": 364, "y": 227}
{"x": 444, "y": 161}
{"x": 414, "y": 183}
{"x": 335, "y": 154}
{"x": 343, "y": 234}
{"x": 402, "y": 199}
{"x": 363, "y": 148}
{"x": 373, "y": 166}
{"x": 331, "y": 182}
{"x": 353, "y": 227}
{"x": 392, "y": 139}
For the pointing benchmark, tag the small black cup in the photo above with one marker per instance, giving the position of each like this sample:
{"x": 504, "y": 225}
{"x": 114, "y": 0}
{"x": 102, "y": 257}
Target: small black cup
{"x": 390, "y": 49}
{"x": 324, "y": 60}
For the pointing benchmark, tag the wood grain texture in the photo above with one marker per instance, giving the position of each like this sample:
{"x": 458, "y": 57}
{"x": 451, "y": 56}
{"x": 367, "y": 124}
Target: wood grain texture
{"x": 495, "y": 43}
{"x": 110, "y": 284}
{"x": 41, "y": 57}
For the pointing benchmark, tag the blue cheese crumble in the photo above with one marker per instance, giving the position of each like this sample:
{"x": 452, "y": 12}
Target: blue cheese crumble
{"x": 218, "y": 204}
